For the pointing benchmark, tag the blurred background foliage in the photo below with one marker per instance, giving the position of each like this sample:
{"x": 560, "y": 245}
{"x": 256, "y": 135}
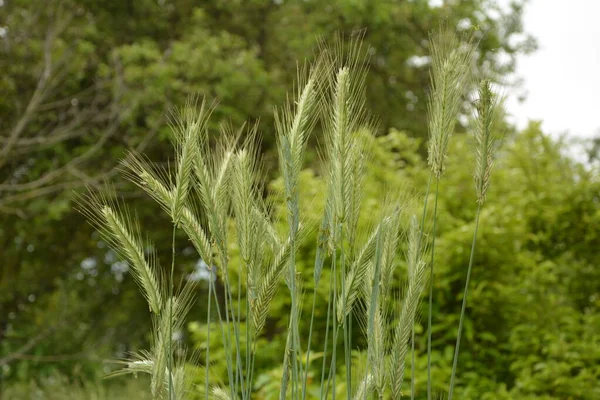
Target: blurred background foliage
{"x": 82, "y": 81}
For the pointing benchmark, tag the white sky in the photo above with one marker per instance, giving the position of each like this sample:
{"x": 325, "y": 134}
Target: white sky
{"x": 562, "y": 78}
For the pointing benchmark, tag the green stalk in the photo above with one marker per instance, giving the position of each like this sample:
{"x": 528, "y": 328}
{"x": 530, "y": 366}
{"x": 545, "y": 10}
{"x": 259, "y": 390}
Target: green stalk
{"x": 464, "y": 304}
{"x": 228, "y": 336}
{"x": 293, "y": 222}
{"x": 294, "y": 322}
{"x": 422, "y": 229}
{"x": 251, "y": 370}
{"x": 347, "y": 353}
{"x": 236, "y": 322}
{"x": 310, "y": 329}
{"x": 226, "y": 340}
{"x": 373, "y": 304}
{"x": 412, "y": 363}
{"x": 248, "y": 318}
{"x": 229, "y": 307}
{"x": 170, "y": 342}
{"x": 207, "y": 362}
{"x": 333, "y": 369}
{"x": 330, "y": 300}
{"x": 228, "y": 326}
{"x": 286, "y": 360}
{"x": 319, "y": 261}
{"x": 435, "y": 207}
{"x": 412, "y": 385}
{"x": 350, "y": 349}
{"x": 236, "y": 332}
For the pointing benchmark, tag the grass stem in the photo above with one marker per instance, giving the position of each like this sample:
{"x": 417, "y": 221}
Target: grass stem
{"x": 310, "y": 330}
{"x": 329, "y": 305}
{"x": 208, "y": 322}
{"x": 464, "y": 304}
{"x": 170, "y": 338}
{"x": 422, "y": 230}
{"x": 347, "y": 349}
{"x": 430, "y": 311}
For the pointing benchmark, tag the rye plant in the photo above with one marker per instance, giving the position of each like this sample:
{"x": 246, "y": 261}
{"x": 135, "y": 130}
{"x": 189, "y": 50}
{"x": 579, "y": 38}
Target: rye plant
{"x": 214, "y": 192}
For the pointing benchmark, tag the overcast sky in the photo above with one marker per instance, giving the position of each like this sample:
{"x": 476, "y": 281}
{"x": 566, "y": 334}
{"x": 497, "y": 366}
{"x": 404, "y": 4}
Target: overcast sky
{"x": 562, "y": 78}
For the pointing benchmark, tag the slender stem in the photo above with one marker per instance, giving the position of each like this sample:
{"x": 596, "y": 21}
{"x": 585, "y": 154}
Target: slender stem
{"x": 251, "y": 369}
{"x": 326, "y": 336}
{"x": 294, "y": 321}
{"x": 347, "y": 359}
{"x": 286, "y": 361}
{"x": 464, "y": 304}
{"x": 430, "y": 312}
{"x": 170, "y": 339}
{"x": 350, "y": 347}
{"x": 239, "y": 298}
{"x": 374, "y": 303}
{"x": 336, "y": 328}
{"x": 248, "y": 318}
{"x": 319, "y": 260}
{"x": 227, "y": 337}
{"x": 412, "y": 363}
{"x": 351, "y": 244}
{"x": 421, "y": 233}
{"x": 310, "y": 329}
{"x": 227, "y": 324}
{"x": 425, "y": 207}
{"x": 347, "y": 350}
{"x": 236, "y": 331}
{"x": 235, "y": 322}
{"x": 293, "y": 222}
{"x": 207, "y": 362}
{"x": 230, "y": 307}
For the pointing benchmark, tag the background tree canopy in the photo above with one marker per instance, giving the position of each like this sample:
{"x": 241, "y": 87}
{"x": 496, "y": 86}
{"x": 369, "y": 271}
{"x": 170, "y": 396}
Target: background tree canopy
{"x": 83, "y": 81}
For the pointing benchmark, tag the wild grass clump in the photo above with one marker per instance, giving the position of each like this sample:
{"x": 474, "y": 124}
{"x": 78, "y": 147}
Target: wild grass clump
{"x": 215, "y": 194}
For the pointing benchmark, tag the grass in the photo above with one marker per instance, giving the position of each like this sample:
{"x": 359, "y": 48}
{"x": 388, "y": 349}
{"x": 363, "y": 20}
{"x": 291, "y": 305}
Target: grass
{"x": 209, "y": 186}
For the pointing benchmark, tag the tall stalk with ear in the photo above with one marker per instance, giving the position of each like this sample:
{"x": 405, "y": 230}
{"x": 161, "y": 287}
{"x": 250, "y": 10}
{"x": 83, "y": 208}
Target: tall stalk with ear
{"x": 293, "y": 125}
{"x": 451, "y": 62}
{"x": 185, "y": 152}
{"x": 346, "y": 123}
{"x": 486, "y": 138}
{"x": 121, "y": 231}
